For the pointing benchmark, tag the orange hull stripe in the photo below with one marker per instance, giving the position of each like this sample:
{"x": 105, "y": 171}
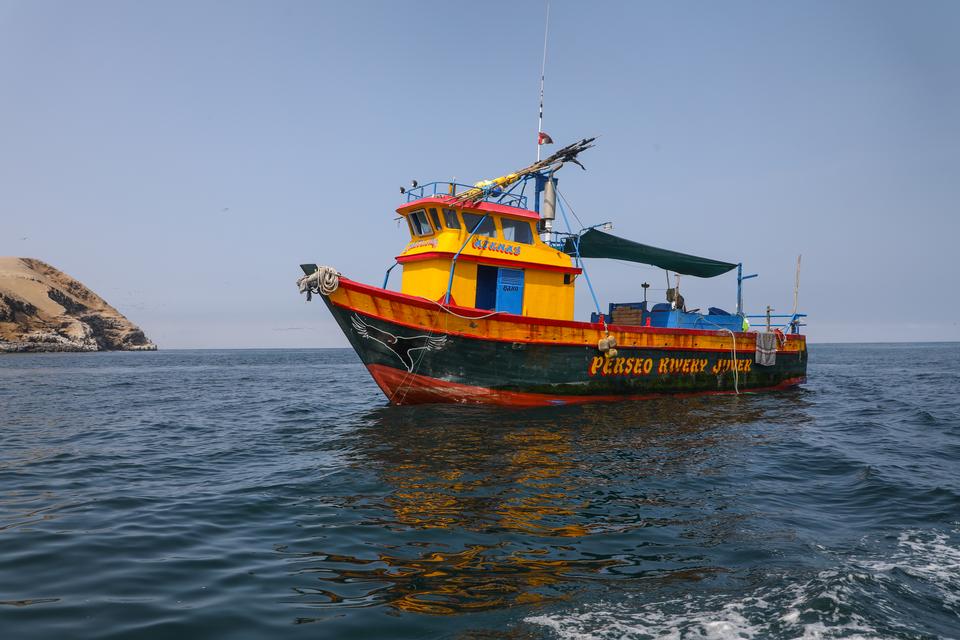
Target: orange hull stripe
{"x": 740, "y": 348}
{"x": 425, "y": 314}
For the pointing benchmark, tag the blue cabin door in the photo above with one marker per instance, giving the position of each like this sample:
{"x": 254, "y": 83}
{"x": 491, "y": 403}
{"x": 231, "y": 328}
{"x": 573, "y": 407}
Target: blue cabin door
{"x": 510, "y": 290}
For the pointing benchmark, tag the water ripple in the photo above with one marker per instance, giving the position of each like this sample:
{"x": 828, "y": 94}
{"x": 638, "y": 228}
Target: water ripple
{"x": 227, "y": 494}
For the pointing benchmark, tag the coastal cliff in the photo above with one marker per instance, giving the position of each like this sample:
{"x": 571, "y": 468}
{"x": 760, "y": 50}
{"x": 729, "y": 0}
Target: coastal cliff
{"x": 44, "y": 309}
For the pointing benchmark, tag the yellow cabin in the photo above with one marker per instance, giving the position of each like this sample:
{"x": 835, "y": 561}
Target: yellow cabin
{"x": 488, "y": 255}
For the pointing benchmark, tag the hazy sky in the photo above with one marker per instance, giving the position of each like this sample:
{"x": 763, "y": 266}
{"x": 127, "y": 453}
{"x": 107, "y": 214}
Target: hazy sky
{"x": 182, "y": 158}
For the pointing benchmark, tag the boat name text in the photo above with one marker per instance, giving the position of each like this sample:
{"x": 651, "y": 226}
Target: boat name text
{"x": 422, "y": 243}
{"x": 603, "y": 366}
{"x": 499, "y": 247}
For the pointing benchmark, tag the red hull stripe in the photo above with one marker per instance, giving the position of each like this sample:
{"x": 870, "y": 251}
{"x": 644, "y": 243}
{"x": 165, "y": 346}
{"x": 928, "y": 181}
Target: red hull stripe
{"x": 491, "y": 207}
{"x": 416, "y": 301}
{"x": 430, "y": 255}
{"x": 402, "y": 387}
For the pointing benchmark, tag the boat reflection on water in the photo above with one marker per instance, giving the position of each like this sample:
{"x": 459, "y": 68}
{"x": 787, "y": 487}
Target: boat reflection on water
{"x": 476, "y": 508}
{"x": 501, "y": 481}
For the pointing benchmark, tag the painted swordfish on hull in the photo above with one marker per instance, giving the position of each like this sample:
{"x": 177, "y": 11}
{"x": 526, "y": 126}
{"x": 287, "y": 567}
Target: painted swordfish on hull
{"x": 485, "y": 308}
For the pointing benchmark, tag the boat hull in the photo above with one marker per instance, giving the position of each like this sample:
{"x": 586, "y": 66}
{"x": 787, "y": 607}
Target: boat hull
{"x": 419, "y": 352}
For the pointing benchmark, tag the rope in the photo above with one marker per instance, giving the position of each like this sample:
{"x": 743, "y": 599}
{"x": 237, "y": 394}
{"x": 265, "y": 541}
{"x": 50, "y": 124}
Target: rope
{"x": 564, "y": 200}
{"x": 563, "y": 211}
{"x": 403, "y": 382}
{"x": 328, "y": 281}
{"x": 733, "y": 354}
{"x": 325, "y": 280}
{"x": 454, "y": 313}
{"x": 402, "y": 387}
{"x": 583, "y": 267}
{"x": 416, "y": 365}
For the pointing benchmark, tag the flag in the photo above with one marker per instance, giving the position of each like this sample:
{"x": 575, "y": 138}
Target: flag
{"x": 543, "y": 138}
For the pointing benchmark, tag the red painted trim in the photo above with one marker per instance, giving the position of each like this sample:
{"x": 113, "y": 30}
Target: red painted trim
{"x": 486, "y": 207}
{"x": 402, "y": 387}
{"x": 430, "y": 255}
{"x": 423, "y": 303}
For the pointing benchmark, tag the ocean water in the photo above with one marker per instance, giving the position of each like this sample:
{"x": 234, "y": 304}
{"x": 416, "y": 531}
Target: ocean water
{"x": 271, "y": 494}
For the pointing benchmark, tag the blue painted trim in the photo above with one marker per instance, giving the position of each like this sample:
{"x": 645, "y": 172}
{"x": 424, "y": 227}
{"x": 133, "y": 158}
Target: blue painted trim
{"x": 453, "y": 263}
{"x": 793, "y": 325}
{"x": 490, "y": 194}
{"x": 780, "y": 315}
{"x": 740, "y": 279}
{"x": 576, "y": 246}
{"x": 538, "y": 185}
{"x": 386, "y": 277}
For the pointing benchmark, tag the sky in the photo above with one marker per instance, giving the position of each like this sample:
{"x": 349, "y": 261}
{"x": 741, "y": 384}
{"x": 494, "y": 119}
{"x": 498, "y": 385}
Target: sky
{"x": 182, "y": 158}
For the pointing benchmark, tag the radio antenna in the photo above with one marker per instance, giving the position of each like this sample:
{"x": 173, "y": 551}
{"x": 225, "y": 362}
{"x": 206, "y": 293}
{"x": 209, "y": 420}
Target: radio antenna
{"x": 543, "y": 68}
{"x": 796, "y": 286}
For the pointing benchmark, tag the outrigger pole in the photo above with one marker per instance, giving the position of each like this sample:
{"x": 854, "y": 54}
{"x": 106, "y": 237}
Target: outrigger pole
{"x": 483, "y": 188}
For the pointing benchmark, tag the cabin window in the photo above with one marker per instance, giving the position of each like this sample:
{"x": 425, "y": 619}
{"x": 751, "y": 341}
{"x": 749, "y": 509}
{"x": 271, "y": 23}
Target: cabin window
{"x": 451, "y": 219}
{"x": 419, "y": 223}
{"x": 436, "y": 219}
{"x": 480, "y": 225}
{"x": 516, "y": 231}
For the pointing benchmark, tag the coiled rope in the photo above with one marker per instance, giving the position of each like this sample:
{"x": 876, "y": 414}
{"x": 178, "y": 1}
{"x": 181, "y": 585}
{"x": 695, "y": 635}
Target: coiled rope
{"x": 325, "y": 280}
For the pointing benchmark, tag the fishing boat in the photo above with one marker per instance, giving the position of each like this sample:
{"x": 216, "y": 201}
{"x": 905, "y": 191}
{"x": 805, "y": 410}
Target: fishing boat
{"x": 485, "y": 308}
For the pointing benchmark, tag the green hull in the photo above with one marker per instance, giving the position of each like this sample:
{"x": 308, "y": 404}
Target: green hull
{"x": 416, "y": 365}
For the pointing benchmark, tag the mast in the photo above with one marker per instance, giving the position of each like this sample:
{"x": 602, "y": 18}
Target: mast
{"x": 543, "y": 69}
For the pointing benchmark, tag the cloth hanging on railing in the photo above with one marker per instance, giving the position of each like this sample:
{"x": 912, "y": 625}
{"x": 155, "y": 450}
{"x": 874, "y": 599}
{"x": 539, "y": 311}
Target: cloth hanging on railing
{"x": 766, "y": 355}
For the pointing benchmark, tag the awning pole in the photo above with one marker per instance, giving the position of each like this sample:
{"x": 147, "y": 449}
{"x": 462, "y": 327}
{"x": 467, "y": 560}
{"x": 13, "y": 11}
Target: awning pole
{"x": 740, "y": 279}
{"x": 739, "y": 288}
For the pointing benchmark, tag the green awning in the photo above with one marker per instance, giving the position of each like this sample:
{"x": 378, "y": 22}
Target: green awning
{"x": 597, "y": 244}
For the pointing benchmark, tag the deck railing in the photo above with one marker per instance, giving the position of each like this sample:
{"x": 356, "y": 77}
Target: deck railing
{"x": 792, "y": 325}
{"x": 499, "y": 196}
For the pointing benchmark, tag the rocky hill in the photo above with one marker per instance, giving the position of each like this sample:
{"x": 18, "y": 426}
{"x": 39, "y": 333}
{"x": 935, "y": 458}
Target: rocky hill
{"x": 44, "y": 309}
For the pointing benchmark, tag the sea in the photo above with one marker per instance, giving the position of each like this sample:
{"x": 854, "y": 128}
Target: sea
{"x": 274, "y": 494}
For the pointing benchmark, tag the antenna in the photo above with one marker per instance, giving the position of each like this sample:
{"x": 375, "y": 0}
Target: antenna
{"x": 796, "y": 286}
{"x": 543, "y": 69}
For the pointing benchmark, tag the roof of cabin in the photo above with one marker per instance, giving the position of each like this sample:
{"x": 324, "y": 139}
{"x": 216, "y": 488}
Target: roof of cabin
{"x": 483, "y": 207}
